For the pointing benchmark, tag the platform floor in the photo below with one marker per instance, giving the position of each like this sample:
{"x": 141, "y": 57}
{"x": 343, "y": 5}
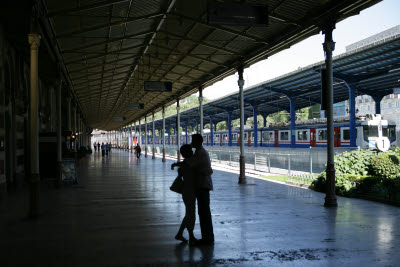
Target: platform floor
{"x": 122, "y": 213}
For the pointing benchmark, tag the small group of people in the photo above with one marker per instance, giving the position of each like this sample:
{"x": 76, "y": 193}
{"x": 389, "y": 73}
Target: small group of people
{"x": 138, "y": 150}
{"x": 105, "y": 148}
{"x": 195, "y": 170}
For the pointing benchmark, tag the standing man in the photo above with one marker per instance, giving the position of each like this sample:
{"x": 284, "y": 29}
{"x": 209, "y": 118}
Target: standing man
{"x": 201, "y": 164}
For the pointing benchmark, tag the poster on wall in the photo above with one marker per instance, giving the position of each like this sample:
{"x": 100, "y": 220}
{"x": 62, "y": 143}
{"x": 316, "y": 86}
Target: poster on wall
{"x": 68, "y": 171}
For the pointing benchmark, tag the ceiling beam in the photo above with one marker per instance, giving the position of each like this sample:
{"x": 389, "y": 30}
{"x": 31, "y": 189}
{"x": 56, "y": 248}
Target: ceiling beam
{"x": 225, "y": 50}
{"x": 103, "y": 26}
{"x": 159, "y": 24}
{"x": 85, "y": 8}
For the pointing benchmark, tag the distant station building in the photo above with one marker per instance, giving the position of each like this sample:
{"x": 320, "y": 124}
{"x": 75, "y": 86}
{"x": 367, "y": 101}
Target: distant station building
{"x": 390, "y": 105}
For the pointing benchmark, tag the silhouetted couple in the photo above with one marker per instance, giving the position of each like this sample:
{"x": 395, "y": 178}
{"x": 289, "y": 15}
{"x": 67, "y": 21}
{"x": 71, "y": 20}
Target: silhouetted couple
{"x": 196, "y": 172}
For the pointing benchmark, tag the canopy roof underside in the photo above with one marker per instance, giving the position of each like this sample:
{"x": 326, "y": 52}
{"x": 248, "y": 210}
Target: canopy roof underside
{"x": 373, "y": 70}
{"x": 109, "y": 48}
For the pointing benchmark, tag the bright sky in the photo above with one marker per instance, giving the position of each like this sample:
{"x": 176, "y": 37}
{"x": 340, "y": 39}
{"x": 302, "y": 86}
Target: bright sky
{"x": 377, "y": 18}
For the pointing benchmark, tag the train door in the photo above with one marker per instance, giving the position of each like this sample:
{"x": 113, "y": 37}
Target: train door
{"x": 250, "y": 136}
{"x": 276, "y": 138}
{"x": 221, "y": 138}
{"x": 336, "y": 133}
{"x": 313, "y": 141}
{"x": 238, "y": 139}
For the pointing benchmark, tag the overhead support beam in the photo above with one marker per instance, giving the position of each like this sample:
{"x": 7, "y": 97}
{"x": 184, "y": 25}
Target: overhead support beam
{"x": 221, "y": 28}
{"x": 85, "y": 58}
{"x": 103, "y": 26}
{"x": 277, "y": 90}
{"x": 242, "y": 175}
{"x": 145, "y": 50}
{"x": 209, "y": 60}
{"x": 329, "y": 47}
{"x": 83, "y": 8}
{"x": 225, "y": 50}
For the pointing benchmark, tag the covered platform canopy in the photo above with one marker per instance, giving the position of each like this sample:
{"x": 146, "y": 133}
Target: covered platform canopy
{"x": 107, "y": 49}
{"x": 373, "y": 70}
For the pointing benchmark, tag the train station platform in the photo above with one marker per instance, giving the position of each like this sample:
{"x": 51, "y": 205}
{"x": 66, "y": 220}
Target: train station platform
{"x": 122, "y": 213}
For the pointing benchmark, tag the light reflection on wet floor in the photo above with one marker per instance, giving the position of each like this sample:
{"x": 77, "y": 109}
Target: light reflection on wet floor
{"x": 122, "y": 213}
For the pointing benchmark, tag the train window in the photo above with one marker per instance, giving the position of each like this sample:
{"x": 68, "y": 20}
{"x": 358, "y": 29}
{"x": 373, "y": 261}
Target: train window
{"x": 389, "y": 132}
{"x": 284, "y": 136}
{"x": 234, "y": 137}
{"x": 252, "y": 136}
{"x": 245, "y": 136}
{"x": 370, "y": 131}
{"x": 346, "y": 134}
{"x": 302, "y": 135}
{"x": 265, "y": 136}
{"x": 271, "y": 136}
{"x": 322, "y": 135}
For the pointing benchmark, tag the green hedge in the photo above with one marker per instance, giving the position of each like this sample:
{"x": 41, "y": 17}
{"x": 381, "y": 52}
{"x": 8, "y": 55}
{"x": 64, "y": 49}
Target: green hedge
{"x": 385, "y": 165}
{"x": 365, "y": 172}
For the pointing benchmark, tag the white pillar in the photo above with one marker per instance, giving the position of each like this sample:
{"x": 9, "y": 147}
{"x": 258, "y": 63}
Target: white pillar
{"x": 34, "y": 41}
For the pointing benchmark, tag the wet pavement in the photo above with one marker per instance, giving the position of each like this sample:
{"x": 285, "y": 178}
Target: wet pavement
{"x": 122, "y": 213}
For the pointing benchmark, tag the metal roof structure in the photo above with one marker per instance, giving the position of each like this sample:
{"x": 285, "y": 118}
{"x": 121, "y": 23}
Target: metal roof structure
{"x": 373, "y": 70}
{"x": 107, "y": 49}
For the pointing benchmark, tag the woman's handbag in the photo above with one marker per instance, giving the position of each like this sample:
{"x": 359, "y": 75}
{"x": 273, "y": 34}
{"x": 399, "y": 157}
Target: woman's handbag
{"x": 177, "y": 185}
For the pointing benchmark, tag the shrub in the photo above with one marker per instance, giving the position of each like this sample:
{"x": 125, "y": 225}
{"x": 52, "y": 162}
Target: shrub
{"x": 384, "y": 165}
{"x": 349, "y": 166}
{"x": 356, "y": 162}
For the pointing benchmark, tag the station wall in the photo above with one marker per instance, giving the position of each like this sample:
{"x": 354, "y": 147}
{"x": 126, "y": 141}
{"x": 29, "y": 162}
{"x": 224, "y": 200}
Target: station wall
{"x": 14, "y": 111}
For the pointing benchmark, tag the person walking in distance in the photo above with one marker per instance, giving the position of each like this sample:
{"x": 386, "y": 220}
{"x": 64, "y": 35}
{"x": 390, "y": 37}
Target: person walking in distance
{"x": 200, "y": 162}
{"x": 103, "y": 149}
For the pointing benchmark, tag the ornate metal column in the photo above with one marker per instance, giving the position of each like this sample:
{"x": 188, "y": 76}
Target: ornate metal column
{"x": 292, "y": 122}
{"x": 329, "y": 47}
{"x": 255, "y": 130}
{"x": 154, "y": 139}
{"x": 163, "y": 134}
{"x": 201, "y": 109}
{"x": 242, "y": 175}
{"x": 178, "y": 127}
{"x": 145, "y": 136}
{"x": 229, "y": 128}
{"x": 211, "y": 132}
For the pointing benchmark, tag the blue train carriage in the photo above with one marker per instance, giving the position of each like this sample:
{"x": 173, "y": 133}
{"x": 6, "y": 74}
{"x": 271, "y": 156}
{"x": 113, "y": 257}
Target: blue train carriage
{"x": 370, "y": 131}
